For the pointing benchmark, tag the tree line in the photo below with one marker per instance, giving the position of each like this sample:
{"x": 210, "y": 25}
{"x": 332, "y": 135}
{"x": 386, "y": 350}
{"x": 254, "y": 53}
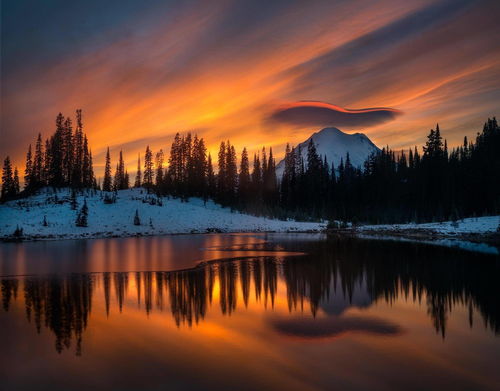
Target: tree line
{"x": 63, "y": 160}
{"x": 436, "y": 184}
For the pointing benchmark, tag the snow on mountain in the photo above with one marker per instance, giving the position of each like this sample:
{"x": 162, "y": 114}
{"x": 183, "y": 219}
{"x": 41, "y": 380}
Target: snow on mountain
{"x": 117, "y": 219}
{"x": 335, "y": 144}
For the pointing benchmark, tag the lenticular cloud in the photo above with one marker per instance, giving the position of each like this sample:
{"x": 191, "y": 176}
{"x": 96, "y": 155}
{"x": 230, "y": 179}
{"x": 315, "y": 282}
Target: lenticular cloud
{"x": 307, "y": 113}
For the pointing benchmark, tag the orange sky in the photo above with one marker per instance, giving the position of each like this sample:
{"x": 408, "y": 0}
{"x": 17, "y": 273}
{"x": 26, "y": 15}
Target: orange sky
{"x": 219, "y": 68}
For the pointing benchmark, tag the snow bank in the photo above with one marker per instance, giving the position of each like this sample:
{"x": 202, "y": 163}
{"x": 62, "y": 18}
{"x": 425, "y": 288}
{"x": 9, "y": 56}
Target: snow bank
{"x": 117, "y": 219}
{"x": 473, "y": 225}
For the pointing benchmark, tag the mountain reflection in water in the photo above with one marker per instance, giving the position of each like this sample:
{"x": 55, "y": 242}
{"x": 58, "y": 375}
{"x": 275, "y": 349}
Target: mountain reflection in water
{"x": 331, "y": 277}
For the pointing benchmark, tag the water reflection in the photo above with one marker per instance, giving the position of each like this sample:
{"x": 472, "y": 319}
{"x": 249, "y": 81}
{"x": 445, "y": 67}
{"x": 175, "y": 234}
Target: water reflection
{"x": 334, "y": 276}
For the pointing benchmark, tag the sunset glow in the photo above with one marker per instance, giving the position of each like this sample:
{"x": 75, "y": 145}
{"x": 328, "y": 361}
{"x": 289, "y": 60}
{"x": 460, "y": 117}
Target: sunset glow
{"x": 143, "y": 73}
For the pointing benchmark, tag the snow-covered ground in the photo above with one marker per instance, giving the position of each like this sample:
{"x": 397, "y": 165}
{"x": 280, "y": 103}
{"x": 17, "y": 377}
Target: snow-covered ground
{"x": 473, "y": 225}
{"x": 117, "y": 219}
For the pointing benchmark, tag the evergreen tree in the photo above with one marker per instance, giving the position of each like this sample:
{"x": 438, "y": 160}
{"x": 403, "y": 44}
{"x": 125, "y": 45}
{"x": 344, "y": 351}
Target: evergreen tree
{"x": 82, "y": 218}
{"x": 73, "y": 200}
{"x": 8, "y": 186}
{"x": 198, "y": 168}
{"x": 244, "y": 181}
{"x": 137, "y": 220}
{"x": 67, "y": 151}
{"x": 16, "y": 188}
{"x": 148, "y": 169}
{"x": 256, "y": 183}
{"x": 78, "y": 152}
{"x": 38, "y": 169}
{"x": 107, "y": 183}
{"x": 46, "y": 163}
{"x": 28, "y": 172}
{"x": 121, "y": 180}
{"x": 222, "y": 174}
{"x": 176, "y": 169}
{"x": 211, "y": 182}
{"x": 231, "y": 174}
{"x": 159, "y": 169}
{"x": 138, "y": 178}
{"x": 55, "y": 167}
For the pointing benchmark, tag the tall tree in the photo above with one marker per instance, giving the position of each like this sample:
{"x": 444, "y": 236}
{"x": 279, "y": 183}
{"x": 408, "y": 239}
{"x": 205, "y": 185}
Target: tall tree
{"x": 148, "y": 169}
{"x": 244, "y": 181}
{"x": 159, "y": 169}
{"x": 138, "y": 178}
{"x": 222, "y": 174}
{"x": 231, "y": 174}
{"x": 38, "y": 163}
{"x": 16, "y": 187}
{"x": 67, "y": 151}
{"x": 78, "y": 150}
{"x": 107, "y": 182}
{"x": 8, "y": 186}
{"x": 28, "y": 172}
{"x": 211, "y": 182}
{"x": 55, "y": 171}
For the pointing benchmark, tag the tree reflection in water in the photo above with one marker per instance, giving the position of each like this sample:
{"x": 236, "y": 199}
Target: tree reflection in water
{"x": 333, "y": 272}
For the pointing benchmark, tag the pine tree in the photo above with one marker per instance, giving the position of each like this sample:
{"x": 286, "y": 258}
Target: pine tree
{"x": 38, "y": 169}
{"x": 68, "y": 151}
{"x": 73, "y": 200}
{"x": 55, "y": 167}
{"x": 138, "y": 178}
{"x": 175, "y": 169}
{"x": 46, "y": 163}
{"x": 159, "y": 169}
{"x": 271, "y": 195}
{"x": 222, "y": 174}
{"x": 78, "y": 153}
{"x": 198, "y": 168}
{"x": 256, "y": 182}
{"x": 244, "y": 180}
{"x": 16, "y": 186}
{"x": 148, "y": 169}
{"x": 107, "y": 184}
{"x": 211, "y": 182}
{"x": 8, "y": 187}
{"x": 121, "y": 180}
{"x": 28, "y": 172}
{"x": 231, "y": 174}
{"x": 82, "y": 218}
{"x": 137, "y": 220}
{"x": 91, "y": 177}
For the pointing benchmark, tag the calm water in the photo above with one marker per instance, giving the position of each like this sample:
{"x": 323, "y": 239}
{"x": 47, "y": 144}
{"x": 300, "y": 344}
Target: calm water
{"x": 235, "y": 312}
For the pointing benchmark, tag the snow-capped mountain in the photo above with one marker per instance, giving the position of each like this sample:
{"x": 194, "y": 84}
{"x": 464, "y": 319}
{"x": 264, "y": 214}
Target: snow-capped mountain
{"x": 335, "y": 144}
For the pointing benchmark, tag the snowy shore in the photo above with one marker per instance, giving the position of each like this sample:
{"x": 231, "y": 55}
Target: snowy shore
{"x": 117, "y": 219}
{"x": 474, "y": 234}
{"x": 49, "y": 216}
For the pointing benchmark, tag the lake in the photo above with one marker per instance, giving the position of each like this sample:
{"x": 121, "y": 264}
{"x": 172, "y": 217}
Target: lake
{"x": 235, "y": 312}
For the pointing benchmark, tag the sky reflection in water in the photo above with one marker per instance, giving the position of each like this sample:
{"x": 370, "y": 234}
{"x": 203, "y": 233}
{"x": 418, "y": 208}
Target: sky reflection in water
{"x": 346, "y": 313}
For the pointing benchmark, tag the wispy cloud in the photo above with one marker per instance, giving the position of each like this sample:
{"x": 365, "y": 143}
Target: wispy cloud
{"x": 143, "y": 73}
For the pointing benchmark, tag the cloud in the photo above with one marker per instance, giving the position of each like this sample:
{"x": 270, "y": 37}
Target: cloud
{"x": 334, "y": 326}
{"x": 309, "y": 113}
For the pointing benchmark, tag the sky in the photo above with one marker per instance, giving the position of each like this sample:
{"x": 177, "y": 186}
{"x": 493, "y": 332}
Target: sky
{"x": 143, "y": 70}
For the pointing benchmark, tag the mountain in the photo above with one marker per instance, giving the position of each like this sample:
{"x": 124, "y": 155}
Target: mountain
{"x": 335, "y": 144}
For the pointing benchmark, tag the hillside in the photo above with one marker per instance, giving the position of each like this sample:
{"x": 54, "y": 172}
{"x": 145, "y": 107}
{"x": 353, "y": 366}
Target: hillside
{"x": 117, "y": 219}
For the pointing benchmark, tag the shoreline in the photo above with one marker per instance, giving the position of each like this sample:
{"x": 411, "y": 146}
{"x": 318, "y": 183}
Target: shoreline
{"x": 419, "y": 234}
{"x": 471, "y": 241}
{"x": 101, "y": 235}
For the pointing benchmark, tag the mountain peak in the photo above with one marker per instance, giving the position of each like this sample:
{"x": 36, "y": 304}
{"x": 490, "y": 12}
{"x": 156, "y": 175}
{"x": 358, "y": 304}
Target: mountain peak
{"x": 335, "y": 144}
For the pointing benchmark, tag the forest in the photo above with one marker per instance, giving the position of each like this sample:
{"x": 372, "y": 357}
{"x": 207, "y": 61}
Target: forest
{"x": 419, "y": 185}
